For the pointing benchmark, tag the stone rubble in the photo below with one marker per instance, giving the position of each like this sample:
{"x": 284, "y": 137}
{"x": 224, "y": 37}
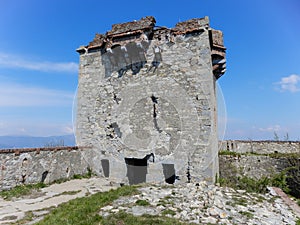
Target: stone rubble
{"x": 205, "y": 204}
{"x": 192, "y": 203}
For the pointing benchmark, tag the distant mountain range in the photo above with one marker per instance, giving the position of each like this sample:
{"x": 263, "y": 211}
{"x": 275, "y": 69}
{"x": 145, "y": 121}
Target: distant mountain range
{"x": 36, "y": 142}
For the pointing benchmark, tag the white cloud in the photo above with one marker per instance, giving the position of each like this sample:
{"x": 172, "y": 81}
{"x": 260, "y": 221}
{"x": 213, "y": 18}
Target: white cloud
{"x": 18, "y": 95}
{"x": 274, "y": 128}
{"x": 290, "y": 83}
{"x": 14, "y": 61}
{"x": 68, "y": 129}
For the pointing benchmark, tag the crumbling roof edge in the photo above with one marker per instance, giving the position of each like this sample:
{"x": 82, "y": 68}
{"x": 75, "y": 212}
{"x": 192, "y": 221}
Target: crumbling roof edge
{"x": 147, "y": 22}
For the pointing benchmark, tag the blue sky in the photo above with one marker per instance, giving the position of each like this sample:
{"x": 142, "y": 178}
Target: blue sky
{"x": 39, "y": 64}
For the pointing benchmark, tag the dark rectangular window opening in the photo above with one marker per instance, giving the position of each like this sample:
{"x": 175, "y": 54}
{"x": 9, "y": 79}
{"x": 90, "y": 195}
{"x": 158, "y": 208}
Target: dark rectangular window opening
{"x": 169, "y": 173}
{"x": 105, "y": 167}
{"x": 136, "y": 170}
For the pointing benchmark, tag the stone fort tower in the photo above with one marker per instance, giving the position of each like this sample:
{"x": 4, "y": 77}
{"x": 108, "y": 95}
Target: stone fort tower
{"x": 146, "y": 102}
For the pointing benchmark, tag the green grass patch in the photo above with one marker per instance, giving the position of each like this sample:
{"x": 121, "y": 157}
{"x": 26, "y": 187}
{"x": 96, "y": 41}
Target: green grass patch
{"x": 163, "y": 202}
{"x": 260, "y": 198}
{"x": 141, "y": 202}
{"x": 284, "y": 155}
{"x": 272, "y": 155}
{"x": 123, "y": 218}
{"x": 87, "y": 175}
{"x": 68, "y": 193}
{"x": 256, "y": 185}
{"x": 21, "y": 190}
{"x": 226, "y": 152}
{"x": 247, "y": 214}
{"x": 28, "y": 217}
{"x": 84, "y": 211}
{"x": 27, "y": 189}
{"x": 240, "y": 201}
{"x": 168, "y": 212}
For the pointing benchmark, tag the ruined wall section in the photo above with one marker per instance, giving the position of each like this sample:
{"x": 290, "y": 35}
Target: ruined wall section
{"x": 116, "y": 99}
{"x": 28, "y": 166}
{"x": 256, "y": 159}
{"x": 254, "y": 166}
{"x": 260, "y": 147}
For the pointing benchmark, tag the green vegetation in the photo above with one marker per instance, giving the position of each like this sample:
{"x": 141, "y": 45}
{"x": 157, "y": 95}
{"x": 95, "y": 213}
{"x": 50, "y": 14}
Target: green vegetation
{"x": 169, "y": 212}
{"x": 69, "y": 193}
{"x": 28, "y": 217}
{"x": 163, "y": 202}
{"x": 84, "y": 211}
{"x": 21, "y": 190}
{"x": 240, "y": 201}
{"x": 27, "y": 189}
{"x": 272, "y": 155}
{"x": 88, "y": 174}
{"x": 237, "y": 200}
{"x": 247, "y": 214}
{"x": 226, "y": 152}
{"x": 253, "y": 185}
{"x": 284, "y": 155}
{"x": 288, "y": 180}
{"x": 142, "y": 202}
{"x": 128, "y": 219}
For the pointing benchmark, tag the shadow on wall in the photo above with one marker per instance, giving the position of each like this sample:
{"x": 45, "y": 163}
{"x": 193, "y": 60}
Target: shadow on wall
{"x": 137, "y": 168}
{"x": 131, "y": 56}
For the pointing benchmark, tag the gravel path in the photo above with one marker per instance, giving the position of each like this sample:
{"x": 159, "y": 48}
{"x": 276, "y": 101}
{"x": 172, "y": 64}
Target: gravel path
{"x": 40, "y": 202}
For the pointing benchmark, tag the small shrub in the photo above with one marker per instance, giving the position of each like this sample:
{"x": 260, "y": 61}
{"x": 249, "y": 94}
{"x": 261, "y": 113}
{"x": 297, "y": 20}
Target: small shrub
{"x": 280, "y": 180}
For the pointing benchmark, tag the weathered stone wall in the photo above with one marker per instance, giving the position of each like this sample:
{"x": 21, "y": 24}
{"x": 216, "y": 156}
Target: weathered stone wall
{"x": 24, "y": 166}
{"x": 260, "y": 147}
{"x": 145, "y": 91}
{"x": 27, "y": 166}
{"x": 254, "y": 166}
{"x": 256, "y": 159}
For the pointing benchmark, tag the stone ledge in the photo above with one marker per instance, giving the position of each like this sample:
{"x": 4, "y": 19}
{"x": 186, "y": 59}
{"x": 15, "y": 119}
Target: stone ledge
{"x": 18, "y": 151}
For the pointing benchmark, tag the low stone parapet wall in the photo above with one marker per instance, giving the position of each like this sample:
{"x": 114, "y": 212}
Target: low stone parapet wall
{"x": 34, "y": 165}
{"x": 261, "y": 159}
{"x": 260, "y": 147}
{"x": 253, "y": 166}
